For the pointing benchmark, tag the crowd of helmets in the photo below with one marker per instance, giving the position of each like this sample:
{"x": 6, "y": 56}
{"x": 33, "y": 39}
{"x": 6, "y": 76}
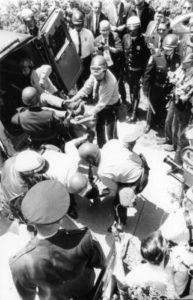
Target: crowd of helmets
{"x": 11, "y": 14}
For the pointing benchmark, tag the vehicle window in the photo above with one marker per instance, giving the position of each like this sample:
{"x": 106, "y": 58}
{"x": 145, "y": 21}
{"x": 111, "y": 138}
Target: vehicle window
{"x": 57, "y": 40}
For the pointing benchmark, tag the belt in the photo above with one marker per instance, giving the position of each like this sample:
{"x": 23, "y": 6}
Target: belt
{"x": 114, "y": 105}
{"x": 135, "y": 69}
{"x": 162, "y": 85}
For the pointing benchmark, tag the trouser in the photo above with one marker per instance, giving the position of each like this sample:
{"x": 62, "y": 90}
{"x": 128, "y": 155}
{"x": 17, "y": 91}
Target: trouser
{"x": 133, "y": 80}
{"x": 157, "y": 98}
{"x": 170, "y": 125}
{"x": 106, "y": 119}
{"x": 120, "y": 212}
{"x": 182, "y": 118}
{"x": 118, "y": 73}
{"x": 85, "y": 71}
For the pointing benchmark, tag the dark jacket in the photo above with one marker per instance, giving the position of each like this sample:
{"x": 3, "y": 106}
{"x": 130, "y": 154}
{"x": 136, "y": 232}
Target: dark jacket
{"x": 136, "y": 52}
{"x": 147, "y": 15}
{"x": 37, "y": 123}
{"x": 61, "y": 267}
{"x": 156, "y": 73}
{"x": 117, "y": 57}
{"x": 89, "y": 22}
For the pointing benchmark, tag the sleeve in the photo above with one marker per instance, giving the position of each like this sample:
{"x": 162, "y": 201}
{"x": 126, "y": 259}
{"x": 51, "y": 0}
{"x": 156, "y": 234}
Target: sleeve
{"x": 92, "y": 249}
{"x": 91, "y": 43}
{"x": 105, "y": 95}
{"x": 148, "y": 75}
{"x": 25, "y": 287}
{"x": 45, "y": 71}
{"x": 48, "y": 99}
{"x": 118, "y": 45}
{"x": 85, "y": 90}
{"x": 72, "y": 151}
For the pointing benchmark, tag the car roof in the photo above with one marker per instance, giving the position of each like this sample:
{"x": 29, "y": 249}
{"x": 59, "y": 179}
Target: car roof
{"x": 11, "y": 40}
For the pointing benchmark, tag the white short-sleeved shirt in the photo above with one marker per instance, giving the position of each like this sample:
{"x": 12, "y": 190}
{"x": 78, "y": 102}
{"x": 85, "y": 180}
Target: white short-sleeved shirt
{"x": 118, "y": 164}
{"x": 62, "y": 165}
{"x": 87, "y": 41}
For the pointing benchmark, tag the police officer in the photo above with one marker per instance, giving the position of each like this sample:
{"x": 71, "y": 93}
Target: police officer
{"x": 56, "y": 264}
{"x": 155, "y": 84}
{"x": 30, "y": 22}
{"x": 121, "y": 170}
{"x": 136, "y": 55}
{"x": 83, "y": 40}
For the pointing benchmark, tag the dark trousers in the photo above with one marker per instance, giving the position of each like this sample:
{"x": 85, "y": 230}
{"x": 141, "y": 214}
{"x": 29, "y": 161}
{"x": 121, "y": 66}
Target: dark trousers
{"x": 85, "y": 71}
{"x": 133, "y": 80}
{"x": 157, "y": 98}
{"x": 182, "y": 119}
{"x": 170, "y": 124}
{"x": 106, "y": 119}
{"x": 118, "y": 73}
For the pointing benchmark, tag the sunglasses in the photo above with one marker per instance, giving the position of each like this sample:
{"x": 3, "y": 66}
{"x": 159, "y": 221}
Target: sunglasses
{"x": 187, "y": 7}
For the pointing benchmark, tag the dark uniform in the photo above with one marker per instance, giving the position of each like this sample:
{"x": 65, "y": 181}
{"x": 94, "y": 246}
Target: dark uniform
{"x": 155, "y": 84}
{"x": 136, "y": 55}
{"x": 40, "y": 125}
{"x": 61, "y": 266}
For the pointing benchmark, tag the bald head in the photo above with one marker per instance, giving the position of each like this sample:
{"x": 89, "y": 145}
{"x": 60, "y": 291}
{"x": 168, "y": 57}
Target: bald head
{"x": 105, "y": 28}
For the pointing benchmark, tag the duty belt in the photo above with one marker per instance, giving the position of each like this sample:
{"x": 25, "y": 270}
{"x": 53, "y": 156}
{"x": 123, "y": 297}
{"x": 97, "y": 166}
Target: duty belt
{"x": 134, "y": 69}
{"x": 162, "y": 85}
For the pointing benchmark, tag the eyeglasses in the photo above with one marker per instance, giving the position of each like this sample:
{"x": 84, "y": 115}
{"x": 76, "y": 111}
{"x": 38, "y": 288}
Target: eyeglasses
{"x": 187, "y": 7}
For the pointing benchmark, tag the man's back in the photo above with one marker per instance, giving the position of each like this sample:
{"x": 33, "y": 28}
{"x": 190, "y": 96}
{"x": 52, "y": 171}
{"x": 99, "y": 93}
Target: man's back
{"x": 60, "y": 266}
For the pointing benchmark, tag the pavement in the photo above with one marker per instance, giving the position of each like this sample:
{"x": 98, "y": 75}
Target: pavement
{"x": 160, "y": 197}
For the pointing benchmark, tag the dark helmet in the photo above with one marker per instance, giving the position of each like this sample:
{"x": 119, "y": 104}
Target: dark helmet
{"x": 29, "y": 96}
{"x": 78, "y": 183}
{"x": 170, "y": 41}
{"x": 77, "y": 18}
{"x": 89, "y": 152}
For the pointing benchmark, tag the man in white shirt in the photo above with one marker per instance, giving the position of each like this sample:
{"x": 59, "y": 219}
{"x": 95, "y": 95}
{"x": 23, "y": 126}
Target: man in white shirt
{"x": 83, "y": 40}
{"x": 121, "y": 170}
{"x": 103, "y": 86}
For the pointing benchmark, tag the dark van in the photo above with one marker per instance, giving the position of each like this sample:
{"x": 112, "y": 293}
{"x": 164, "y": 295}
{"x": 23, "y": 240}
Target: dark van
{"x": 53, "y": 46}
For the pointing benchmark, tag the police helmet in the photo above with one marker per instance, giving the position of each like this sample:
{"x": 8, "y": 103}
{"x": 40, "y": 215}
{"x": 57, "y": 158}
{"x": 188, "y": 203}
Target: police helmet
{"x": 170, "y": 41}
{"x": 89, "y": 152}
{"x": 29, "y": 96}
{"x": 77, "y": 18}
{"x": 98, "y": 64}
{"x": 133, "y": 23}
{"x": 78, "y": 183}
{"x": 26, "y": 14}
{"x": 29, "y": 162}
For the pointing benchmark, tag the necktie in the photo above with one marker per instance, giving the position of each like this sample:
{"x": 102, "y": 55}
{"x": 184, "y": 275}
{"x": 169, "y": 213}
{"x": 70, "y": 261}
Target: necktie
{"x": 96, "y": 92}
{"x": 79, "y": 45}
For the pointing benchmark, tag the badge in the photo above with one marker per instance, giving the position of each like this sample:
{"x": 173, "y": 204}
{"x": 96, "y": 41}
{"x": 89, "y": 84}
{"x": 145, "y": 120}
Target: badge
{"x": 138, "y": 47}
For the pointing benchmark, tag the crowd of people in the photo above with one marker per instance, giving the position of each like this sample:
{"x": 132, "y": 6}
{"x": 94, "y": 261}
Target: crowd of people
{"x": 147, "y": 46}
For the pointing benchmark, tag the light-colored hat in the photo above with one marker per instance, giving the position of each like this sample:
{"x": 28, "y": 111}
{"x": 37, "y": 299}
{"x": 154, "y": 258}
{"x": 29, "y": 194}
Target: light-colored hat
{"x": 29, "y": 162}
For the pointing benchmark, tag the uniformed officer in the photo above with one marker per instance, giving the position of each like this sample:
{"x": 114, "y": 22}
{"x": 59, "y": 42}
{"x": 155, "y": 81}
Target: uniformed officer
{"x": 136, "y": 55}
{"x": 27, "y": 17}
{"x": 120, "y": 169}
{"x": 155, "y": 84}
{"x": 56, "y": 264}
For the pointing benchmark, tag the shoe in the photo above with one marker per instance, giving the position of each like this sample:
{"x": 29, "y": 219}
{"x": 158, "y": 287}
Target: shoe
{"x": 169, "y": 148}
{"x": 147, "y": 128}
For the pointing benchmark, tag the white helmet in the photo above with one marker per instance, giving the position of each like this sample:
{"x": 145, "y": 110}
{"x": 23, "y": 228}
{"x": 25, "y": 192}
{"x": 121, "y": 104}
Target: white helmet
{"x": 26, "y": 14}
{"x": 133, "y": 23}
{"x": 29, "y": 162}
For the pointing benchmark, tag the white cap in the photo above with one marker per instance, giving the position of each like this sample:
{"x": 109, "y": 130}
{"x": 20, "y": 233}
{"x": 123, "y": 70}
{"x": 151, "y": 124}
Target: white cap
{"x": 131, "y": 134}
{"x": 29, "y": 162}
